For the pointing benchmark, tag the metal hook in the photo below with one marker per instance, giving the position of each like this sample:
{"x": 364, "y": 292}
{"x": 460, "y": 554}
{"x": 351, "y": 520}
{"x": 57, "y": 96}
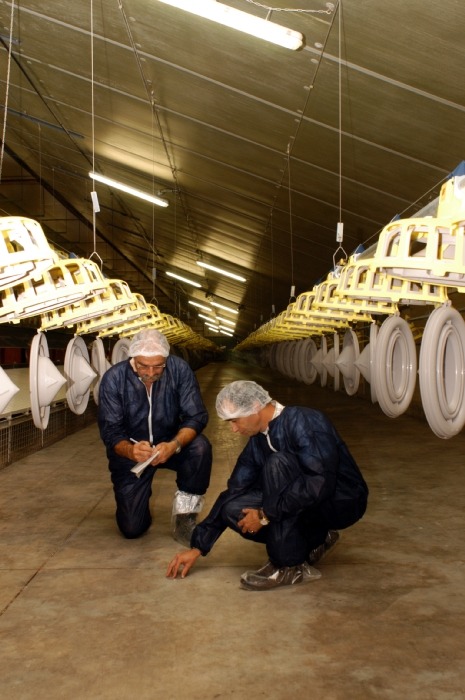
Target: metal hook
{"x": 94, "y": 253}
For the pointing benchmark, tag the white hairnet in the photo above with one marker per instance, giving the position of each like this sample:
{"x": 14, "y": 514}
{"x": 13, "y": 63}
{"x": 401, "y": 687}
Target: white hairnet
{"x": 149, "y": 343}
{"x": 240, "y": 399}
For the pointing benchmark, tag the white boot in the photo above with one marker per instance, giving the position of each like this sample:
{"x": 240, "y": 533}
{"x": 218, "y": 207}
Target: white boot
{"x": 186, "y": 506}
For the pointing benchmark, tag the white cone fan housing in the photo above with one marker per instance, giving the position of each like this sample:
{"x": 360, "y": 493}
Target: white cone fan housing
{"x": 7, "y": 390}
{"x": 45, "y": 381}
{"x": 395, "y": 366}
{"x": 442, "y": 371}
{"x": 79, "y": 374}
{"x": 346, "y": 362}
{"x": 318, "y": 361}
{"x": 100, "y": 364}
{"x": 330, "y": 359}
{"x": 365, "y": 361}
{"x": 120, "y": 351}
{"x": 307, "y": 371}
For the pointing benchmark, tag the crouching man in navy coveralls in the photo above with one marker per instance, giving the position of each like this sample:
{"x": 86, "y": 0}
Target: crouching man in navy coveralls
{"x": 150, "y": 405}
{"x": 294, "y": 486}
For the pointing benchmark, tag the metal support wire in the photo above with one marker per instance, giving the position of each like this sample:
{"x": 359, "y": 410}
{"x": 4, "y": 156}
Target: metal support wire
{"x": 93, "y": 194}
{"x": 7, "y": 87}
{"x": 340, "y": 225}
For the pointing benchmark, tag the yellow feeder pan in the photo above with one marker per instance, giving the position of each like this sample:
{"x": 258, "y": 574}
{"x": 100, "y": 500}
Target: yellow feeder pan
{"x": 136, "y": 307}
{"x": 24, "y": 250}
{"x": 65, "y": 282}
{"x": 115, "y": 295}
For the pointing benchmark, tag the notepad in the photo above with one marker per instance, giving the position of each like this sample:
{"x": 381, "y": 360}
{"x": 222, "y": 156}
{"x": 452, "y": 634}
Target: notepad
{"x": 140, "y": 466}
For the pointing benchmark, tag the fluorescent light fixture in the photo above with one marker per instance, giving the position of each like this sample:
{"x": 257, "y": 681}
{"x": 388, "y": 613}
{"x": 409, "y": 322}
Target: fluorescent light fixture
{"x": 200, "y": 306}
{"x": 221, "y": 271}
{"x": 183, "y": 279}
{"x": 243, "y": 21}
{"x": 225, "y": 308}
{"x": 129, "y": 190}
{"x": 210, "y": 319}
{"x": 225, "y": 330}
{"x": 226, "y": 320}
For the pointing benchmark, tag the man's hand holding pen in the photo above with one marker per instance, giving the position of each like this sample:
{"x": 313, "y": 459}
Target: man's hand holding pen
{"x": 142, "y": 450}
{"x": 161, "y": 452}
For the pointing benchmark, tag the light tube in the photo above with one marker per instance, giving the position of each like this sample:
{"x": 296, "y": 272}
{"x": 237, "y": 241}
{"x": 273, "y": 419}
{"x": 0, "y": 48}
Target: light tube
{"x": 129, "y": 190}
{"x": 226, "y": 308}
{"x": 183, "y": 279}
{"x": 242, "y": 21}
{"x": 221, "y": 271}
{"x": 226, "y": 320}
{"x": 201, "y": 306}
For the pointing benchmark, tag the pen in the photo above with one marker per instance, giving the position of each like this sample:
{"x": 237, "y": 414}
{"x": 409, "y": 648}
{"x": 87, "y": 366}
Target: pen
{"x": 136, "y": 441}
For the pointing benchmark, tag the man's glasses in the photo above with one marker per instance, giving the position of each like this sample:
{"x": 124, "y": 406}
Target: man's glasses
{"x": 141, "y": 366}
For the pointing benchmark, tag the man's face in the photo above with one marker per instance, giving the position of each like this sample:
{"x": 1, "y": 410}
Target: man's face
{"x": 149, "y": 369}
{"x": 247, "y": 425}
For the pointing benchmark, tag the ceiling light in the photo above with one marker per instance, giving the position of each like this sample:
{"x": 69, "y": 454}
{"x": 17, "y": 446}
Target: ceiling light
{"x": 210, "y": 319}
{"x": 226, "y": 308}
{"x": 201, "y": 306}
{"x": 183, "y": 279}
{"x": 221, "y": 271}
{"x": 227, "y": 331}
{"x": 243, "y": 21}
{"x": 129, "y": 190}
{"x": 226, "y": 320}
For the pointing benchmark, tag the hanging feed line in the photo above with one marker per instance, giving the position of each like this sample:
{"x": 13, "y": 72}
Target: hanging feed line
{"x": 340, "y": 225}
{"x": 93, "y": 194}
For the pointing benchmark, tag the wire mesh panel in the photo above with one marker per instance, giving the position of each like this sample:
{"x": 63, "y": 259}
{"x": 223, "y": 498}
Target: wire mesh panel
{"x": 19, "y": 437}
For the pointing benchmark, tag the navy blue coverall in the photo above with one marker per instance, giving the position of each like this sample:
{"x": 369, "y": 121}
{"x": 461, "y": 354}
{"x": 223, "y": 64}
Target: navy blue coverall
{"x": 126, "y": 412}
{"x": 305, "y": 479}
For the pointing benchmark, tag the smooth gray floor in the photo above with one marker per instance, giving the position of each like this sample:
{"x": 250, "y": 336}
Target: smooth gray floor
{"x": 88, "y": 615}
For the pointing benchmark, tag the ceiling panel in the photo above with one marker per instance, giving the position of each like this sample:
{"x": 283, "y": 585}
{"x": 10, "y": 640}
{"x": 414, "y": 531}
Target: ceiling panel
{"x": 260, "y": 151}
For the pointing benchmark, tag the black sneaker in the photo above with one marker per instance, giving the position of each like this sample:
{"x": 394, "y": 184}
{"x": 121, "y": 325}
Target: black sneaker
{"x": 321, "y": 551}
{"x": 270, "y": 576}
{"x": 184, "y": 527}
{"x": 266, "y": 569}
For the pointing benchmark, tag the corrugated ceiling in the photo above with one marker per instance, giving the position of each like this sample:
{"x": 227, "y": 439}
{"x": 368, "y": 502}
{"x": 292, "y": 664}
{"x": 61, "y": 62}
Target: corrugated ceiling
{"x": 259, "y": 150}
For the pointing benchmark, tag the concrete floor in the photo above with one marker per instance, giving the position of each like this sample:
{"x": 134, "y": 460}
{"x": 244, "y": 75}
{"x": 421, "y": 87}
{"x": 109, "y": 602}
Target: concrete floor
{"x": 88, "y": 615}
